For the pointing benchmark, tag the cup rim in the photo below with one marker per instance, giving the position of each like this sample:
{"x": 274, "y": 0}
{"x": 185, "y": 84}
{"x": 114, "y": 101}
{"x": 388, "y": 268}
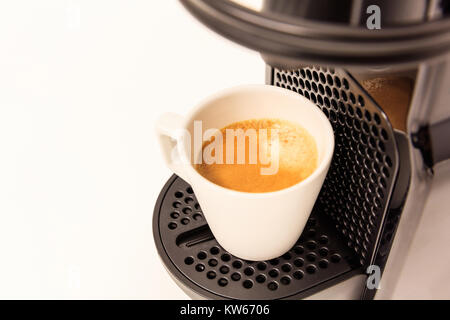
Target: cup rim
{"x": 323, "y": 165}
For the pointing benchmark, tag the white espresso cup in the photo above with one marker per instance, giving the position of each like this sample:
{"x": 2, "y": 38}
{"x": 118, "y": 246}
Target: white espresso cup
{"x": 251, "y": 226}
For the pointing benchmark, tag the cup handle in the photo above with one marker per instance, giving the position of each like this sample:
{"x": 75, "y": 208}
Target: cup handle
{"x": 170, "y": 132}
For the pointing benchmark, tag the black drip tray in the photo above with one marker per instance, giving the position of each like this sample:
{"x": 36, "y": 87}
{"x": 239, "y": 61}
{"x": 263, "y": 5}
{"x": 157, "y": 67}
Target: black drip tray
{"x": 190, "y": 252}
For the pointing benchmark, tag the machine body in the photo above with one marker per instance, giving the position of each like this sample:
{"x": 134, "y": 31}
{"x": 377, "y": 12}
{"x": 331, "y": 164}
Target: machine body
{"x": 386, "y": 94}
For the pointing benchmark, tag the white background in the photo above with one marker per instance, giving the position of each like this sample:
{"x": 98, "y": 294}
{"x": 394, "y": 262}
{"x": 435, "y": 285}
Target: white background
{"x": 81, "y": 84}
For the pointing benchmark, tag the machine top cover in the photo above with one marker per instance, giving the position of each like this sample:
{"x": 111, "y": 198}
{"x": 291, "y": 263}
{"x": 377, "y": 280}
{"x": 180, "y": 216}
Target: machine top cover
{"x": 292, "y": 33}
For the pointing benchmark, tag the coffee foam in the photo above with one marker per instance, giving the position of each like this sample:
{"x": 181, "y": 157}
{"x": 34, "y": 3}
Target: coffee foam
{"x": 297, "y": 160}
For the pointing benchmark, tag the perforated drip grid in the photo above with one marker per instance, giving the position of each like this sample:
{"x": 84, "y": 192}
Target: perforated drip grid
{"x": 344, "y": 227}
{"x": 359, "y": 184}
{"x": 191, "y": 253}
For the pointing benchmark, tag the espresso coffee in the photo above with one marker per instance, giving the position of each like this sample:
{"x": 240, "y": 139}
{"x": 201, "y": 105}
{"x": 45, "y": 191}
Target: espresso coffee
{"x": 278, "y": 154}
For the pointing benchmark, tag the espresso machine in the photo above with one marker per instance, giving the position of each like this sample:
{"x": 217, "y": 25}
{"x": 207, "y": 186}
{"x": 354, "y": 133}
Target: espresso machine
{"x": 380, "y": 71}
